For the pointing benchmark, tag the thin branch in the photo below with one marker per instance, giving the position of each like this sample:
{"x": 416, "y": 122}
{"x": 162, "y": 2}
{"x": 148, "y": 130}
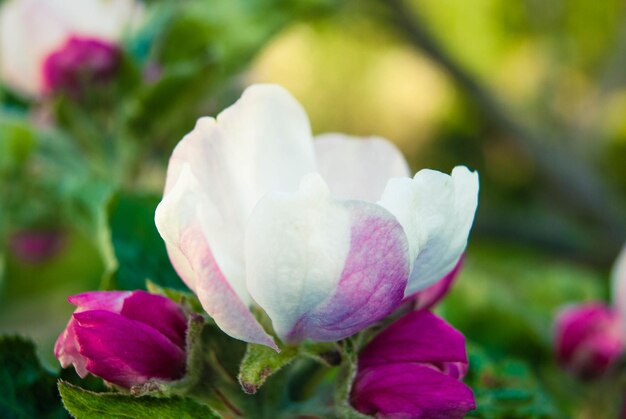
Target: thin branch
{"x": 574, "y": 180}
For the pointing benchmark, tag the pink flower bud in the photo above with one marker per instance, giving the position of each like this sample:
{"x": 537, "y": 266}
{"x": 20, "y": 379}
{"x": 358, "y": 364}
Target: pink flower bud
{"x": 588, "y": 339}
{"x": 413, "y": 369}
{"x": 35, "y": 246}
{"x": 124, "y": 337}
{"x": 80, "y": 62}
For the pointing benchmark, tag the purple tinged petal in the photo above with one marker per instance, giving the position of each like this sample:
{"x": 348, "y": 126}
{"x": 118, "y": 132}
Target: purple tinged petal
{"x": 124, "y": 351}
{"x": 409, "y": 390}
{"x": 428, "y": 297}
{"x": 419, "y": 337}
{"x": 372, "y": 282}
{"x": 589, "y": 338}
{"x": 158, "y": 312}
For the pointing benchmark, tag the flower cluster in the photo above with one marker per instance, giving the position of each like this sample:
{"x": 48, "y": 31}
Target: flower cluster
{"x": 325, "y": 236}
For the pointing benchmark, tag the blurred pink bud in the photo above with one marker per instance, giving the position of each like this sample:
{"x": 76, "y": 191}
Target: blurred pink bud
{"x": 124, "y": 337}
{"x": 33, "y": 30}
{"x": 412, "y": 369}
{"x": 588, "y": 339}
{"x": 36, "y": 246}
{"x": 428, "y": 297}
{"x": 79, "y": 63}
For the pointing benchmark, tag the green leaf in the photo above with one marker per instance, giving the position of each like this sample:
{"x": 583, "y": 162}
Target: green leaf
{"x": 27, "y": 390}
{"x": 17, "y": 141}
{"x": 86, "y": 206}
{"x": 138, "y": 247}
{"x": 83, "y": 404}
{"x": 260, "y": 362}
{"x": 507, "y": 388}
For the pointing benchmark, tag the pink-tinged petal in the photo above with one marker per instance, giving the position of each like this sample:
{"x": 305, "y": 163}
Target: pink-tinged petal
{"x": 428, "y": 297}
{"x": 589, "y": 338}
{"x": 112, "y": 301}
{"x": 66, "y": 350}
{"x": 66, "y": 347}
{"x": 158, "y": 312}
{"x": 178, "y": 220}
{"x": 261, "y": 143}
{"x": 358, "y": 168}
{"x": 410, "y": 391}
{"x": 324, "y": 269}
{"x": 418, "y": 337}
{"x": 618, "y": 280}
{"x": 126, "y": 352}
{"x": 436, "y": 211}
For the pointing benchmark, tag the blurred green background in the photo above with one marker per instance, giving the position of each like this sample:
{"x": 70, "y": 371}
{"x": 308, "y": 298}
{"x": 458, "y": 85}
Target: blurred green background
{"x": 530, "y": 93}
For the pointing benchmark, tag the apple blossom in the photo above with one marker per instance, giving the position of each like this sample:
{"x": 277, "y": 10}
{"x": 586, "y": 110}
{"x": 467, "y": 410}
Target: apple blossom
{"x": 40, "y": 38}
{"x": 124, "y": 337}
{"x": 412, "y": 369}
{"x": 327, "y": 236}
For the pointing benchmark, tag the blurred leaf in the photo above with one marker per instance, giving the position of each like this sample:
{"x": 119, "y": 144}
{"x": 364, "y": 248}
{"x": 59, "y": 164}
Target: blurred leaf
{"x": 27, "y": 390}
{"x": 86, "y": 206}
{"x": 138, "y": 247}
{"x": 506, "y": 389}
{"x": 84, "y": 404}
{"x": 516, "y": 292}
{"x": 17, "y": 141}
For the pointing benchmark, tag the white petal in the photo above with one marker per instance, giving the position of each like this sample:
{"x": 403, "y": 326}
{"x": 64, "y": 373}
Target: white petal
{"x": 261, "y": 143}
{"x": 436, "y": 212}
{"x": 358, "y": 168}
{"x": 178, "y": 219}
{"x": 323, "y": 269}
{"x": 618, "y": 279}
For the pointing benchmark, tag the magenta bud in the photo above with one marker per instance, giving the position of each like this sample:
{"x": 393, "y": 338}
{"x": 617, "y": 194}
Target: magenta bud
{"x": 36, "y": 246}
{"x": 412, "y": 369}
{"x": 125, "y": 337}
{"x": 80, "y": 62}
{"x": 588, "y": 339}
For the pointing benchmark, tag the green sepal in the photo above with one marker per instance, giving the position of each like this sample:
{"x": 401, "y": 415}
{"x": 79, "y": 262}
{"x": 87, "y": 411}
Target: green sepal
{"x": 84, "y": 404}
{"x": 260, "y": 362}
{"x": 345, "y": 378}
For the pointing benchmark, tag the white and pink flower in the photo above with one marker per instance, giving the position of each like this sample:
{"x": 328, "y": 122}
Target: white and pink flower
{"x": 43, "y": 42}
{"x": 326, "y": 235}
